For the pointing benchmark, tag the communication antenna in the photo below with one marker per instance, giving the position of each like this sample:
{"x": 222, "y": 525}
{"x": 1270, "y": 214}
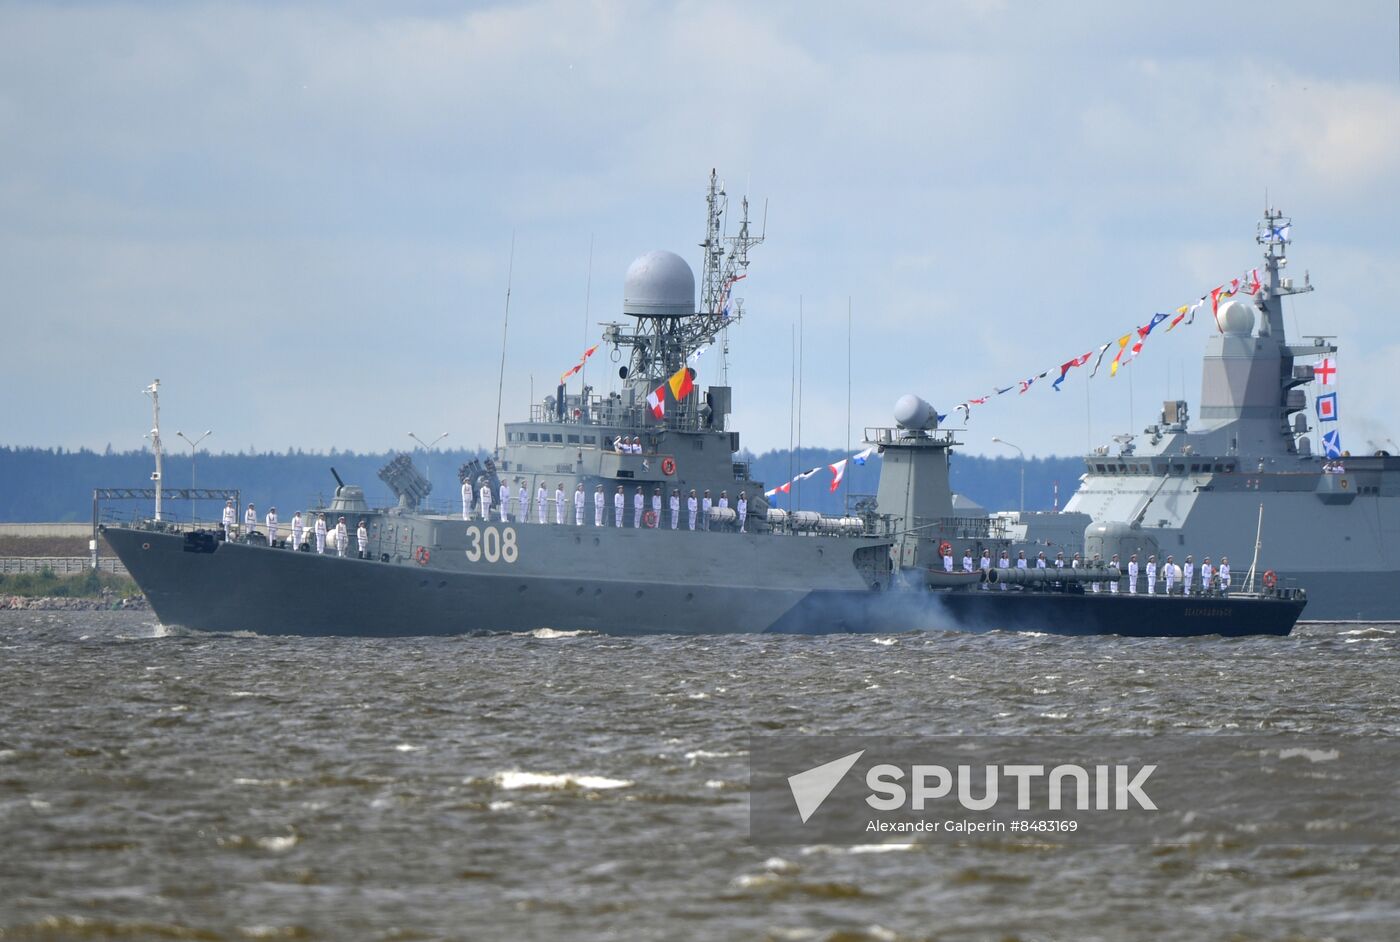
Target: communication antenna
{"x": 726, "y": 262}
{"x": 153, "y": 391}
{"x": 505, "y": 325}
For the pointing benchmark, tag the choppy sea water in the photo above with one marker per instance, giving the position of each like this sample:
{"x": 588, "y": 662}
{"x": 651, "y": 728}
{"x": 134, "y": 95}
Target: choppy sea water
{"x": 167, "y": 784}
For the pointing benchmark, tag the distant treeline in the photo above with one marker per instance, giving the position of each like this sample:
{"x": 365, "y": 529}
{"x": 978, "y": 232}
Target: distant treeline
{"x": 43, "y": 484}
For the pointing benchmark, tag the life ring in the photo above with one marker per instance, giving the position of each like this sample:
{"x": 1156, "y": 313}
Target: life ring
{"x": 649, "y": 518}
{"x": 1270, "y": 579}
{"x": 668, "y": 466}
{"x": 1344, "y": 483}
{"x": 422, "y": 555}
{"x": 945, "y": 548}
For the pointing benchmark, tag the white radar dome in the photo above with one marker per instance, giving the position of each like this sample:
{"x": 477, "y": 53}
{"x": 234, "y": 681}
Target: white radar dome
{"x": 912, "y": 413}
{"x": 659, "y": 284}
{"x": 1236, "y": 317}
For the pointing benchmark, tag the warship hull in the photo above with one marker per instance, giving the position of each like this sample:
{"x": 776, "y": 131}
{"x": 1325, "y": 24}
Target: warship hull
{"x": 240, "y": 587}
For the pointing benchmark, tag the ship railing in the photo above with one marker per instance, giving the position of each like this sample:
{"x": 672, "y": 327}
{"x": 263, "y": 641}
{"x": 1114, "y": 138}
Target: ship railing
{"x": 900, "y": 436}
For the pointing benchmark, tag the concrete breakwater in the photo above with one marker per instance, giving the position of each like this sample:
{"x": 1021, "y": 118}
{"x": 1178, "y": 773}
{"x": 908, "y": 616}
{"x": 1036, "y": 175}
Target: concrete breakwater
{"x": 16, "y": 603}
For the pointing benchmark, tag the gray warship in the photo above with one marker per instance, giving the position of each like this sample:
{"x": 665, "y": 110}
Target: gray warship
{"x": 1180, "y": 488}
{"x": 517, "y": 565}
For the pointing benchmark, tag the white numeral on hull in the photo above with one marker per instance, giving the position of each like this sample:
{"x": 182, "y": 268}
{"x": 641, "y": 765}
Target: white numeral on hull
{"x": 492, "y": 544}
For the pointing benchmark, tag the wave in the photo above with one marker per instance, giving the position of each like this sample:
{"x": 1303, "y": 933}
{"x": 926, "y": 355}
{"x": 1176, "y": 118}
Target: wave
{"x": 550, "y": 781}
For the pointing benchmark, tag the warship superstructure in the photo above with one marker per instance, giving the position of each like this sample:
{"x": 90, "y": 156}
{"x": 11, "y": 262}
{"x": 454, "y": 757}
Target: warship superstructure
{"x": 1332, "y": 522}
{"x": 768, "y": 570}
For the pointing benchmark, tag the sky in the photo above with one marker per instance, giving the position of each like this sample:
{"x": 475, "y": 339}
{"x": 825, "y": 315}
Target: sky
{"x": 300, "y": 216}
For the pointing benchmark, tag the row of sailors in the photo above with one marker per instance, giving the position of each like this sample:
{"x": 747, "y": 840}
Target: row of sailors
{"x": 697, "y": 508}
{"x": 319, "y": 531}
{"x": 627, "y": 446}
{"x": 1211, "y": 577}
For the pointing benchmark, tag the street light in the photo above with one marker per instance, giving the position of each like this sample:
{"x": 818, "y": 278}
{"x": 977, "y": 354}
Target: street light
{"x": 194, "y": 450}
{"x": 428, "y": 448}
{"x": 1002, "y": 441}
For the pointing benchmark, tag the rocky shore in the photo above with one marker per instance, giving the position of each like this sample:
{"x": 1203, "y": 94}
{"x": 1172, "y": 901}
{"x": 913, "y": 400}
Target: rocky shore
{"x": 15, "y": 603}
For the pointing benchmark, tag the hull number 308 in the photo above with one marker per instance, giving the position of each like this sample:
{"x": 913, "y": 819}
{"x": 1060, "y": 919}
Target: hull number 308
{"x": 495, "y": 545}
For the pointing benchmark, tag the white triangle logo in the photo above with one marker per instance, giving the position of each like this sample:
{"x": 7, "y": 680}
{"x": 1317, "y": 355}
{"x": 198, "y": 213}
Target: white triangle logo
{"x": 811, "y": 788}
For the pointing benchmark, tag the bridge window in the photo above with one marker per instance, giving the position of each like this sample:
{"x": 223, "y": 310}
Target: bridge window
{"x": 533, "y": 437}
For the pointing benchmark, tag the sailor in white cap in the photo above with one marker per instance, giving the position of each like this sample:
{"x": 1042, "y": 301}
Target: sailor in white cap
{"x": 947, "y": 556}
{"x": 1003, "y": 563}
{"x": 598, "y": 506}
{"x": 1113, "y": 586}
{"x": 1132, "y": 574}
{"x": 505, "y": 502}
{"x": 705, "y": 505}
{"x": 1207, "y": 572}
{"x": 1152, "y": 575}
{"x": 639, "y": 502}
{"x": 985, "y": 564}
{"x": 321, "y": 533}
{"x": 1224, "y": 574}
{"x": 485, "y": 500}
{"x": 579, "y": 499}
{"x": 541, "y": 498}
{"x": 742, "y": 509}
{"x": 619, "y": 506}
{"x": 271, "y": 520}
{"x": 466, "y": 499}
{"x": 559, "y": 504}
{"x": 362, "y": 540}
{"x": 1187, "y": 572}
{"x": 967, "y": 561}
{"x": 522, "y": 509}
{"x": 1169, "y": 574}
{"x": 250, "y": 522}
{"x": 230, "y": 518}
{"x": 656, "y": 508}
{"x": 691, "y": 506}
{"x": 342, "y": 537}
{"x": 298, "y": 531}
{"x": 1040, "y": 561}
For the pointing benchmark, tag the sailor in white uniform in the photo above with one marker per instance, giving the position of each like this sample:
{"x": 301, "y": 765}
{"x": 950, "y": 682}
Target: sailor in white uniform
{"x": 579, "y": 499}
{"x": 559, "y": 504}
{"x": 1187, "y": 571}
{"x": 598, "y": 506}
{"x": 619, "y": 506}
{"x": 1003, "y": 563}
{"x": 1075, "y": 563}
{"x": 638, "y": 503}
{"x": 967, "y": 561}
{"x": 466, "y": 499}
{"x": 723, "y": 500}
{"x": 692, "y": 506}
{"x": 362, "y": 540}
{"x": 985, "y": 564}
{"x": 522, "y": 509}
{"x": 541, "y": 498}
{"x": 1152, "y": 575}
{"x": 1113, "y": 586}
{"x": 298, "y": 531}
{"x": 1040, "y": 561}
{"x": 321, "y": 534}
{"x": 948, "y": 559}
{"x": 271, "y": 521}
{"x": 1224, "y": 574}
{"x": 656, "y": 509}
{"x": 485, "y": 500}
{"x": 742, "y": 509}
{"x": 1207, "y": 570}
{"x": 1132, "y": 574}
{"x": 1097, "y": 586}
{"x": 1021, "y": 562}
{"x": 505, "y": 502}
{"x": 1169, "y": 574}
{"x": 705, "y": 505}
{"x": 342, "y": 537}
{"x": 230, "y": 518}
{"x": 250, "y": 522}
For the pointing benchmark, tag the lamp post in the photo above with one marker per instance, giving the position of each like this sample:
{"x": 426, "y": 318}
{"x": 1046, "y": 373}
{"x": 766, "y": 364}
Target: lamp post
{"x": 1002, "y": 441}
{"x": 428, "y": 449}
{"x": 194, "y": 450}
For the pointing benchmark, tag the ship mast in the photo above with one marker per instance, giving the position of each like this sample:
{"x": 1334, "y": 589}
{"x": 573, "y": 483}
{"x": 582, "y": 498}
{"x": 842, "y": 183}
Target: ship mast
{"x": 661, "y": 345}
{"x": 153, "y": 391}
